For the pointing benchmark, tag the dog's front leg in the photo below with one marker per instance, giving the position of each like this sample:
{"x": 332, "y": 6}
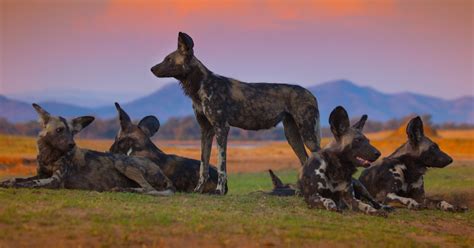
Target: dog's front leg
{"x": 52, "y": 182}
{"x": 418, "y": 193}
{"x": 392, "y": 198}
{"x": 356, "y": 204}
{"x": 207, "y": 135}
{"x": 317, "y": 201}
{"x": 12, "y": 181}
{"x": 442, "y": 205}
{"x": 362, "y": 193}
{"x": 222, "y": 131}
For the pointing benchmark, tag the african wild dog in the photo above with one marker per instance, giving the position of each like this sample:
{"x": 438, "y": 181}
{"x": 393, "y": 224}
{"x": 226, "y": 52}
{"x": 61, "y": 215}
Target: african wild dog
{"x": 220, "y": 102}
{"x": 135, "y": 140}
{"x": 398, "y": 178}
{"x": 70, "y": 167}
{"x": 326, "y": 178}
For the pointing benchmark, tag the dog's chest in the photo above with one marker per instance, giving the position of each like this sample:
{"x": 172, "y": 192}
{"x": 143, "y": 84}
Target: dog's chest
{"x": 323, "y": 183}
{"x": 400, "y": 174}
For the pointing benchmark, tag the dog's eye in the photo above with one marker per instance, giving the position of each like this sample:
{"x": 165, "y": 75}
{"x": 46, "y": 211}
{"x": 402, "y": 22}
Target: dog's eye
{"x": 59, "y": 130}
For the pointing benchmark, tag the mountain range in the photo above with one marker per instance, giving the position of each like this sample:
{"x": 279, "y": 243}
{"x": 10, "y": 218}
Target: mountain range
{"x": 169, "y": 101}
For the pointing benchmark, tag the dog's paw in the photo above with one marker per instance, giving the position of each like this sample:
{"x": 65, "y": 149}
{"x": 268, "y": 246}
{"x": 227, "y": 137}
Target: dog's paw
{"x": 8, "y": 183}
{"x": 200, "y": 186}
{"x": 459, "y": 209}
{"x": 413, "y": 205}
{"x": 387, "y": 208}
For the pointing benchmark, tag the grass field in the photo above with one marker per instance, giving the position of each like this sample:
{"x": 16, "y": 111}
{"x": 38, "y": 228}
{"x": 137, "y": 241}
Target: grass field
{"x": 244, "y": 217}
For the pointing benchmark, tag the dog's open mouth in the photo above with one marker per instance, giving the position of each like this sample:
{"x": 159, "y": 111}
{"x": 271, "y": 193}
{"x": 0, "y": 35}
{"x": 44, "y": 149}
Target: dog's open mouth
{"x": 362, "y": 162}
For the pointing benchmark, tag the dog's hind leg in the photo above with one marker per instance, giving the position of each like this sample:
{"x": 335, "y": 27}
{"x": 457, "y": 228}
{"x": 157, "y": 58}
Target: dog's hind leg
{"x": 309, "y": 128}
{"x": 137, "y": 176}
{"x": 207, "y": 135}
{"x": 294, "y": 138}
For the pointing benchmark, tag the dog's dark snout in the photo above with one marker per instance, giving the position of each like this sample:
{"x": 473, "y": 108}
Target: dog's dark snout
{"x": 377, "y": 154}
{"x": 71, "y": 145}
{"x": 450, "y": 160}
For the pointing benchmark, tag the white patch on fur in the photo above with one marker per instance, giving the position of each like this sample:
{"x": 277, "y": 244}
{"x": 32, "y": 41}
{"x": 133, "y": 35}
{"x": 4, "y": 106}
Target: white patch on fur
{"x": 410, "y": 203}
{"x": 220, "y": 186}
{"x": 320, "y": 172}
{"x": 444, "y": 205}
{"x": 328, "y": 203}
{"x": 399, "y": 169}
{"x": 340, "y": 186}
{"x": 129, "y": 151}
{"x": 366, "y": 208}
{"x": 418, "y": 184}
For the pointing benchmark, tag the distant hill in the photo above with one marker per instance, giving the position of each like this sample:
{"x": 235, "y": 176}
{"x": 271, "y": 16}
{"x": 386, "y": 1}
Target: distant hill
{"x": 169, "y": 101}
{"x": 381, "y": 106}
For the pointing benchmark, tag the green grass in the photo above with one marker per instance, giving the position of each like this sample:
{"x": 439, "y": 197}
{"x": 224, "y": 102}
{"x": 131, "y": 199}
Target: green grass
{"x": 242, "y": 218}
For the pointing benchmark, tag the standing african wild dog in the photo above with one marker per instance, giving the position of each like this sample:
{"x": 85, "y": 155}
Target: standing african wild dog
{"x": 135, "y": 140}
{"x": 326, "y": 178}
{"x": 398, "y": 178}
{"x": 220, "y": 102}
{"x": 70, "y": 167}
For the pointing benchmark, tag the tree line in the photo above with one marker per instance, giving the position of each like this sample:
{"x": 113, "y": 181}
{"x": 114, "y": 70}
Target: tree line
{"x": 186, "y": 128}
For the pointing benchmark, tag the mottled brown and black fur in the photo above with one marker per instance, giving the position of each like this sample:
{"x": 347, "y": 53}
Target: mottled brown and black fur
{"x": 326, "y": 179}
{"x": 63, "y": 165}
{"x": 135, "y": 140}
{"x": 398, "y": 179}
{"x": 220, "y": 102}
{"x": 360, "y": 192}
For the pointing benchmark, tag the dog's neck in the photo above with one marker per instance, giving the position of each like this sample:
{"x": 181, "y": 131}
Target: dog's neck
{"x": 152, "y": 152}
{"x": 414, "y": 166}
{"x": 191, "y": 82}
{"x": 338, "y": 167}
{"x": 50, "y": 159}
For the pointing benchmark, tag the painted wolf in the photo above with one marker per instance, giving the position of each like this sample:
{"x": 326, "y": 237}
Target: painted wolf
{"x": 64, "y": 165}
{"x": 326, "y": 178}
{"x": 135, "y": 140}
{"x": 220, "y": 102}
{"x": 398, "y": 179}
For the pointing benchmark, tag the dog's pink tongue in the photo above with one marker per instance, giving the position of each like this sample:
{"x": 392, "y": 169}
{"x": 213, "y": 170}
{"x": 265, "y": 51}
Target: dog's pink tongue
{"x": 363, "y": 162}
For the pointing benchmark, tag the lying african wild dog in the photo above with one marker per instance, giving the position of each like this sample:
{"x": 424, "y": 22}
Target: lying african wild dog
{"x": 135, "y": 140}
{"x": 70, "y": 167}
{"x": 220, "y": 102}
{"x": 398, "y": 178}
{"x": 326, "y": 178}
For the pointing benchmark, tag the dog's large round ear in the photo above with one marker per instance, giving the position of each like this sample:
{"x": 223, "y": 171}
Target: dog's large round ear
{"x": 149, "y": 125}
{"x": 125, "y": 121}
{"x": 185, "y": 44}
{"x": 44, "y": 116}
{"x": 415, "y": 130}
{"x": 339, "y": 122}
{"x": 361, "y": 123}
{"x": 80, "y": 123}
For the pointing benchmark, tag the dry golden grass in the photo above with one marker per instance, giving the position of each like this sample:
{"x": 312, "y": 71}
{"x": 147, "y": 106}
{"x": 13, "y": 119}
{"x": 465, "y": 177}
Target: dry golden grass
{"x": 457, "y": 134}
{"x": 243, "y": 156}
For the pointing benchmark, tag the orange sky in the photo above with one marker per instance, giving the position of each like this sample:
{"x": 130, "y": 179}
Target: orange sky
{"x": 424, "y": 46}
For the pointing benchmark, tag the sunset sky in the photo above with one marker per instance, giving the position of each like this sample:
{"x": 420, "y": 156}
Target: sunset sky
{"x": 107, "y": 47}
